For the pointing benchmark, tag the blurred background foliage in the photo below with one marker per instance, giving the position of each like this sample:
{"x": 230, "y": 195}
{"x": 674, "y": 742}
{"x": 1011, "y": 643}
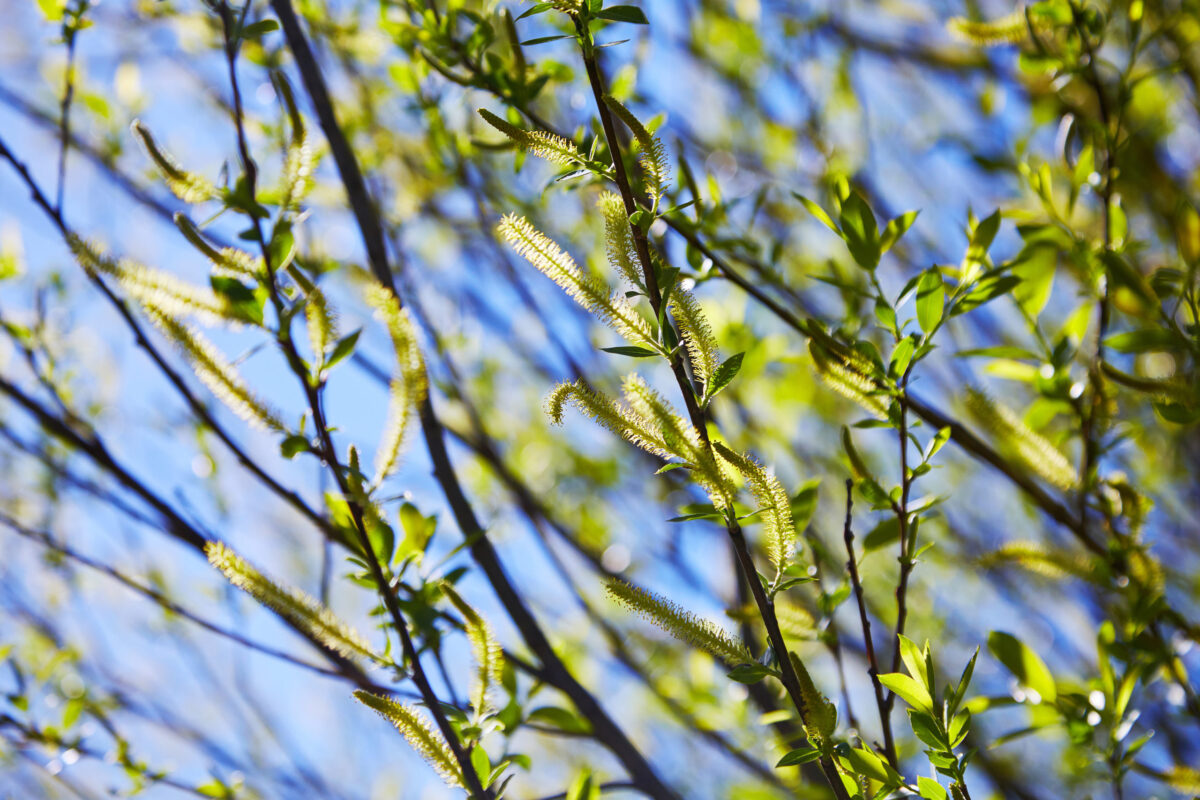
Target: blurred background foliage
{"x": 117, "y": 688}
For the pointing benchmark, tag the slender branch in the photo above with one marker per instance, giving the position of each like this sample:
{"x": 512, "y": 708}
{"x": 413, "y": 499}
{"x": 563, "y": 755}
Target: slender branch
{"x": 908, "y": 545}
{"x": 1091, "y": 410}
{"x": 885, "y": 719}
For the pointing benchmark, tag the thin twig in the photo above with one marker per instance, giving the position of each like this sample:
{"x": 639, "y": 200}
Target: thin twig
{"x": 885, "y": 720}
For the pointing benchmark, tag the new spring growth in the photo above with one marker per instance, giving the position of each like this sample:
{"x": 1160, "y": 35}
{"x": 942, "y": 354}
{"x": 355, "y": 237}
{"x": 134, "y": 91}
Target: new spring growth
{"x": 1011, "y": 29}
{"x": 1033, "y": 450}
{"x": 154, "y": 289}
{"x": 418, "y": 732}
{"x": 819, "y": 714}
{"x": 697, "y": 336}
{"x": 409, "y": 384}
{"x": 651, "y": 153}
{"x": 683, "y": 625}
{"x": 849, "y": 376}
{"x": 217, "y": 374}
{"x": 779, "y": 529}
{"x": 489, "y": 657}
{"x": 227, "y": 262}
{"x": 588, "y": 290}
{"x": 293, "y": 605}
{"x": 646, "y": 420}
{"x": 187, "y": 186}
{"x": 296, "y": 179}
{"x": 549, "y": 146}
{"x": 618, "y": 240}
{"x": 616, "y": 417}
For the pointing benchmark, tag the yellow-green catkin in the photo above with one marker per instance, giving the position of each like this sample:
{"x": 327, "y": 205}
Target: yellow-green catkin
{"x": 680, "y": 623}
{"x": 293, "y": 605}
{"x": 418, "y": 732}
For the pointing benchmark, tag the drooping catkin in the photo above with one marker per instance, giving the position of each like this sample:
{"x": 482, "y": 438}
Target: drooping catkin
{"x": 847, "y": 377}
{"x": 418, "y": 732}
{"x": 1041, "y": 560}
{"x": 697, "y": 335}
{"x": 489, "y": 657}
{"x": 216, "y": 372}
{"x": 1011, "y": 29}
{"x": 779, "y": 529}
{"x": 296, "y": 178}
{"x": 1033, "y": 450}
{"x": 410, "y": 384}
{"x": 651, "y": 153}
{"x": 588, "y": 290}
{"x": 187, "y": 186}
{"x": 153, "y": 289}
{"x": 680, "y": 623}
{"x": 618, "y": 239}
{"x": 614, "y": 416}
{"x": 549, "y": 146}
{"x": 320, "y": 323}
{"x": 292, "y": 604}
{"x": 227, "y": 262}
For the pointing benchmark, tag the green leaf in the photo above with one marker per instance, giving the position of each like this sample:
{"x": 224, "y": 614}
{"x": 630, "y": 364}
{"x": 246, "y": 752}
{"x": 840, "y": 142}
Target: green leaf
{"x": 343, "y": 348}
{"x": 1023, "y": 663}
{"x": 864, "y": 762}
{"x": 536, "y": 9}
{"x": 1035, "y": 268}
{"x": 293, "y": 446}
{"x": 860, "y": 231}
{"x": 931, "y": 299}
{"x": 624, "y": 14}
{"x": 749, "y": 673}
{"x": 818, "y": 212}
{"x": 902, "y": 356}
{"x": 914, "y": 659}
{"x": 725, "y": 374}
{"x": 480, "y": 762}
{"x": 983, "y": 235}
{"x": 560, "y": 718}
{"x": 418, "y": 530}
{"x": 895, "y": 229}
{"x": 213, "y": 788}
{"x": 583, "y": 787}
{"x": 804, "y": 503}
{"x": 245, "y": 303}
{"x": 926, "y": 729}
{"x": 801, "y": 755}
{"x": 543, "y": 40}
{"x": 282, "y": 248}
{"x": 52, "y": 10}
{"x": 930, "y": 789}
{"x": 259, "y": 29}
{"x": 1145, "y": 340}
{"x": 630, "y": 350}
{"x": 699, "y": 515}
{"x": 883, "y": 534}
{"x": 908, "y": 689}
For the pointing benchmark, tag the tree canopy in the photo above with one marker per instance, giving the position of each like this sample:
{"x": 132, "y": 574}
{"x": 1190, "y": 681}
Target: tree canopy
{"x": 698, "y": 398}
